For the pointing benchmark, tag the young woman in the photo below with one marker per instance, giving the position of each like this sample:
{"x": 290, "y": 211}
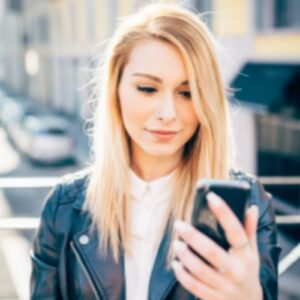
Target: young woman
{"x": 114, "y": 231}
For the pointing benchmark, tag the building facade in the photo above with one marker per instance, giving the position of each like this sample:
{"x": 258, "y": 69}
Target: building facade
{"x": 50, "y": 47}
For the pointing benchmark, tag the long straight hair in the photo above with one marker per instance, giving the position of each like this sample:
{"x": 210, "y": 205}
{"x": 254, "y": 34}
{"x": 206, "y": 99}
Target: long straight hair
{"x": 206, "y": 155}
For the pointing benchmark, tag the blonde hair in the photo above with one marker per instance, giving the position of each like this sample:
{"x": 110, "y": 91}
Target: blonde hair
{"x": 206, "y": 155}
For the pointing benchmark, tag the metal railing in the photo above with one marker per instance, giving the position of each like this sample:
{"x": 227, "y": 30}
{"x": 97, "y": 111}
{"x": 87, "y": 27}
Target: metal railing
{"x": 294, "y": 255}
{"x": 19, "y": 223}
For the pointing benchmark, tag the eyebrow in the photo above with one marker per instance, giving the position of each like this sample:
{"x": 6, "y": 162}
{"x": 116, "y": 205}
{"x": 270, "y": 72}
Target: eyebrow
{"x": 157, "y": 79}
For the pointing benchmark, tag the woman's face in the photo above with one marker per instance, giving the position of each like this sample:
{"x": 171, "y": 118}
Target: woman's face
{"x": 155, "y": 100}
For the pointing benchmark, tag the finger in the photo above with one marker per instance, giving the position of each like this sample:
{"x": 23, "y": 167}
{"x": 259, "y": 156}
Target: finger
{"x": 202, "y": 244}
{"x": 234, "y": 231}
{"x": 197, "y": 267}
{"x": 196, "y": 287}
{"x": 251, "y": 225}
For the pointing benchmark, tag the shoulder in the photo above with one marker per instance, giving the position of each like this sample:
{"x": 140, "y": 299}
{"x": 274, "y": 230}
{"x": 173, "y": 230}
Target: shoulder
{"x": 263, "y": 200}
{"x": 70, "y": 190}
{"x": 57, "y": 215}
{"x": 258, "y": 196}
{"x": 73, "y": 186}
{"x": 242, "y": 175}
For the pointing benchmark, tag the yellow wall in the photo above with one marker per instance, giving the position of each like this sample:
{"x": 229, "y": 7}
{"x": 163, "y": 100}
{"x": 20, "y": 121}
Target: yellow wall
{"x": 60, "y": 7}
{"x": 81, "y": 21}
{"x": 231, "y": 17}
{"x": 277, "y": 45}
{"x": 102, "y": 19}
{"x": 124, "y": 7}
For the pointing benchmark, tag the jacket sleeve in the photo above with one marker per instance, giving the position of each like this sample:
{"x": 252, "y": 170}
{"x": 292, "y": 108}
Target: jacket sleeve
{"x": 44, "y": 282}
{"x": 269, "y": 251}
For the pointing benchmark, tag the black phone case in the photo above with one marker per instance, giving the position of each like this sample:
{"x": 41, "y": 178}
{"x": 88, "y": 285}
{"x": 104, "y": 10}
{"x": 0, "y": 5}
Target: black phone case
{"x": 235, "y": 193}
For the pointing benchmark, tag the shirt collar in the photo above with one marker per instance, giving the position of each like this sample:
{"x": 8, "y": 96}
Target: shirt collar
{"x": 160, "y": 188}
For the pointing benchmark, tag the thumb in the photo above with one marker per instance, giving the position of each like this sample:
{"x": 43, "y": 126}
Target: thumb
{"x": 251, "y": 224}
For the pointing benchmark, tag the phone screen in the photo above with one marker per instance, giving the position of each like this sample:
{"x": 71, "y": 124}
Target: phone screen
{"x": 234, "y": 192}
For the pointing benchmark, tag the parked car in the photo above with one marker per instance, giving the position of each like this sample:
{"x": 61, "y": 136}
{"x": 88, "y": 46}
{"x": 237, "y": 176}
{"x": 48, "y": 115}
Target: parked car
{"x": 4, "y": 101}
{"x": 12, "y": 115}
{"x": 45, "y": 139}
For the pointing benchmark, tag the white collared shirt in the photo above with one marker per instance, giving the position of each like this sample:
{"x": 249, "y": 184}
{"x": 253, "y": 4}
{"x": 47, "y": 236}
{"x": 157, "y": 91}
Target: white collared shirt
{"x": 149, "y": 208}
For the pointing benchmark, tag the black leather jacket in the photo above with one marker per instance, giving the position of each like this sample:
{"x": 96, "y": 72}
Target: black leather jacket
{"x": 65, "y": 263}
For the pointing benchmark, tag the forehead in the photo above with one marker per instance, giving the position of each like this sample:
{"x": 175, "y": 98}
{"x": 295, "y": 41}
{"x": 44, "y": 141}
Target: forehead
{"x": 157, "y": 57}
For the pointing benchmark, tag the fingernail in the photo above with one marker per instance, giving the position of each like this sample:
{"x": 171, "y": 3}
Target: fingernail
{"x": 180, "y": 226}
{"x": 253, "y": 208}
{"x": 213, "y": 199}
{"x": 178, "y": 245}
{"x": 175, "y": 264}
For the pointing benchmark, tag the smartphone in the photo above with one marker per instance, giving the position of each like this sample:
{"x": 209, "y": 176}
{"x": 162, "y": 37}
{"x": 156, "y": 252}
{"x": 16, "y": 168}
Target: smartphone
{"x": 236, "y": 193}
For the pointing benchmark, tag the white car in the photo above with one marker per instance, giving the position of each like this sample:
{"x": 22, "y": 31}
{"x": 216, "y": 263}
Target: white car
{"x": 45, "y": 139}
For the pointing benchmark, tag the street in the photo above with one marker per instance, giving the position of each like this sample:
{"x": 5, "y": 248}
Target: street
{"x": 21, "y": 202}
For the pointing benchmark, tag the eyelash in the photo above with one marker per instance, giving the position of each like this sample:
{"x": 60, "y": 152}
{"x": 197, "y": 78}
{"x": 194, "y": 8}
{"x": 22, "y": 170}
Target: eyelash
{"x": 146, "y": 89}
{"x": 150, "y": 90}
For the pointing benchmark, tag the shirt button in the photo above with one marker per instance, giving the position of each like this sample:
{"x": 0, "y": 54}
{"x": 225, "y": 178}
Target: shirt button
{"x": 84, "y": 239}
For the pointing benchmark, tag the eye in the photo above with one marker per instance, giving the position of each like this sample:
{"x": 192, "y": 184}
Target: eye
{"x": 186, "y": 94}
{"x": 146, "y": 89}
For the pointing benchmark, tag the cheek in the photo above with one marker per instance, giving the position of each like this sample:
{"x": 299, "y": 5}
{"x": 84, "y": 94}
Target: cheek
{"x": 190, "y": 118}
{"x": 133, "y": 113}
{"x": 194, "y": 121}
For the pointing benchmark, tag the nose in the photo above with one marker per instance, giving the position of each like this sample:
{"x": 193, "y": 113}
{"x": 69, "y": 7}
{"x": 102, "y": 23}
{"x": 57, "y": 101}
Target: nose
{"x": 166, "y": 110}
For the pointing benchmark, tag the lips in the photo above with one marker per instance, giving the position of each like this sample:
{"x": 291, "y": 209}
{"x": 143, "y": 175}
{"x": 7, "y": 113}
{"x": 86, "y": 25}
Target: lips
{"x": 163, "y": 132}
{"x": 163, "y": 135}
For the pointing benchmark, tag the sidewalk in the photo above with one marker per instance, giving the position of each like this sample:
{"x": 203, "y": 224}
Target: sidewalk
{"x": 13, "y": 249}
{"x": 7, "y": 289}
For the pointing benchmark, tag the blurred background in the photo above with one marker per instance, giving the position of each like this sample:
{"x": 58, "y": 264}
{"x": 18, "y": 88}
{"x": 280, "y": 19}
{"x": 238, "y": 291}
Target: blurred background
{"x": 47, "y": 51}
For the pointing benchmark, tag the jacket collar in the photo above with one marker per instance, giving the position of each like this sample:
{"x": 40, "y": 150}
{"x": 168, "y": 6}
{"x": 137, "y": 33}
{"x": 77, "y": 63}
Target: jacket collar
{"x": 160, "y": 189}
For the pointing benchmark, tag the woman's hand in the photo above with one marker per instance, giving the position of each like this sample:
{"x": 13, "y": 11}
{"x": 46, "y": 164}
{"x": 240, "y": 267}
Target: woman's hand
{"x": 232, "y": 275}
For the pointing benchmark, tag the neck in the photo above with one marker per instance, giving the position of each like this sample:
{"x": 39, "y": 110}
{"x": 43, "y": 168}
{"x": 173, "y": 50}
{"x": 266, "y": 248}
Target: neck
{"x": 150, "y": 168}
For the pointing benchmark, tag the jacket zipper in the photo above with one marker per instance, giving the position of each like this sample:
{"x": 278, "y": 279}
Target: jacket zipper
{"x": 84, "y": 270}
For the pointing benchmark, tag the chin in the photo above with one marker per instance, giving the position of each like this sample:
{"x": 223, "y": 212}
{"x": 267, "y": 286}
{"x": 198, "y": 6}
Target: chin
{"x": 162, "y": 152}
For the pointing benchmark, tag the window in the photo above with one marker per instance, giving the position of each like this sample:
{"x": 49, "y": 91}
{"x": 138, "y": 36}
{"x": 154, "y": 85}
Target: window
{"x": 15, "y": 5}
{"x": 201, "y": 6}
{"x": 42, "y": 29}
{"x": 287, "y": 13}
{"x": 277, "y": 14}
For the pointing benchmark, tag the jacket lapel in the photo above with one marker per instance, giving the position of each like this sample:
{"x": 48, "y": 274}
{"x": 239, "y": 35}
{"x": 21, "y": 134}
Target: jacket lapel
{"x": 107, "y": 276}
{"x": 162, "y": 279}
